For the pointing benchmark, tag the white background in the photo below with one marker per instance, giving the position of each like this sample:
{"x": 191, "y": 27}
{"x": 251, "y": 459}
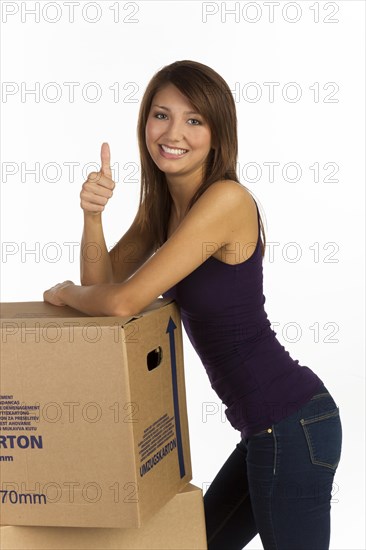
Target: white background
{"x": 323, "y": 215}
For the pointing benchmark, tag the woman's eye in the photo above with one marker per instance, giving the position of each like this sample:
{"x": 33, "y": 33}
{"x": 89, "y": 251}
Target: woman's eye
{"x": 192, "y": 121}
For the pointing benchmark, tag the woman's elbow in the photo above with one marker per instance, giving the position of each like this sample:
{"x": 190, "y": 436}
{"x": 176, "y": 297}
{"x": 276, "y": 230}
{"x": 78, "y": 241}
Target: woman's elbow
{"x": 119, "y": 304}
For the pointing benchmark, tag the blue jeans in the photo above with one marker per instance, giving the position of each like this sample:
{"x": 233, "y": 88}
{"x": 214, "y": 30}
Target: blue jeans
{"x": 278, "y": 483}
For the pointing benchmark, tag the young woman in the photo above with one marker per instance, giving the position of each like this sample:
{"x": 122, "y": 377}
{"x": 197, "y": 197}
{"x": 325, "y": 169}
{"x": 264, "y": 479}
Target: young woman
{"x": 197, "y": 238}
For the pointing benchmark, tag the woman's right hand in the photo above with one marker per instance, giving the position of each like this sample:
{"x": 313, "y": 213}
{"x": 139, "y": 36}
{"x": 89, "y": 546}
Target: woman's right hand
{"x": 98, "y": 188}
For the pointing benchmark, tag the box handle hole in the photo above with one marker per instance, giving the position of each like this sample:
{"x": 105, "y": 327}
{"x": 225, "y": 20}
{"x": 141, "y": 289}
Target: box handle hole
{"x": 154, "y": 358}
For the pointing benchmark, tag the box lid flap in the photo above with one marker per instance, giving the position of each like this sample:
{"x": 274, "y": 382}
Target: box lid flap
{"x": 45, "y": 310}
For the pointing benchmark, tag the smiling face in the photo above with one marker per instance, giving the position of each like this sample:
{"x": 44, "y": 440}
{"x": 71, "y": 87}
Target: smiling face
{"x": 177, "y": 137}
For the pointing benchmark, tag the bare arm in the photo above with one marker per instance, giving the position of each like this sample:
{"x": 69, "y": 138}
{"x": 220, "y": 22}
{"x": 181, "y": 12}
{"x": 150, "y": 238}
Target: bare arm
{"x": 130, "y": 253}
{"x": 212, "y": 219}
{"x": 97, "y": 265}
{"x": 95, "y": 262}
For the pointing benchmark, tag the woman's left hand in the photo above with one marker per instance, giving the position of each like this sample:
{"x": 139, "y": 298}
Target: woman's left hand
{"x": 52, "y": 295}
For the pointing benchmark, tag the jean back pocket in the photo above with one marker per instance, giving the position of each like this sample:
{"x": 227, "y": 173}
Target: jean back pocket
{"x": 324, "y": 438}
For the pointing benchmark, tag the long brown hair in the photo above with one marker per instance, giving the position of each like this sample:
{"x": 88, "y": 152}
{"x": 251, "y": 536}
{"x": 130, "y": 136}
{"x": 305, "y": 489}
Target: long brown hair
{"x": 210, "y": 95}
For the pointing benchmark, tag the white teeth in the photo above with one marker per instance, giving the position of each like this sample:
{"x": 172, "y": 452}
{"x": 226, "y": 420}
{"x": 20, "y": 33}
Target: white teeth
{"x": 173, "y": 151}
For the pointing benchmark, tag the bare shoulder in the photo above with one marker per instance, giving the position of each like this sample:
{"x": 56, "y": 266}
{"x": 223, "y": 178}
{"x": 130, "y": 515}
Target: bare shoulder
{"x": 232, "y": 188}
{"x": 235, "y": 194}
{"x": 229, "y": 187}
{"x": 242, "y": 224}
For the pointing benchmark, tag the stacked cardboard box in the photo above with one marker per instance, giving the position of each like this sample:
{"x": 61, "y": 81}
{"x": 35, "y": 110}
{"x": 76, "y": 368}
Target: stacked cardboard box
{"x": 94, "y": 430}
{"x": 179, "y": 524}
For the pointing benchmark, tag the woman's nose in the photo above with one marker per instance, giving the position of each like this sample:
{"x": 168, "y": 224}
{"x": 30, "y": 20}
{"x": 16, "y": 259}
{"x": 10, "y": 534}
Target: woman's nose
{"x": 174, "y": 132}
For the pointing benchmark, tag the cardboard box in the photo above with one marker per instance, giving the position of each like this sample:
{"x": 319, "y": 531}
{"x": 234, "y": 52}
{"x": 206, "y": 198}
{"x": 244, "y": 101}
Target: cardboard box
{"x": 179, "y": 524}
{"x": 93, "y": 419}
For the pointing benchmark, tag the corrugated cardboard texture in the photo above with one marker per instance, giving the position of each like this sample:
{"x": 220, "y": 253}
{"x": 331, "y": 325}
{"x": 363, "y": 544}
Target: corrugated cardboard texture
{"x": 180, "y": 524}
{"x": 111, "y": 444}
{"x": 12, "y": 310}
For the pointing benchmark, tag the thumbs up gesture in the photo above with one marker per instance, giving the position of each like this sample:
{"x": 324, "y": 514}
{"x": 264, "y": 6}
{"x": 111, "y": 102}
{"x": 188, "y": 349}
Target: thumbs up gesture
{"x": 98, "y": 188}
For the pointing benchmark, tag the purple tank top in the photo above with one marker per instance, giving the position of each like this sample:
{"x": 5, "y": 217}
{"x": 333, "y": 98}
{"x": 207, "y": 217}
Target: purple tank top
{"x": 222, "y": 310}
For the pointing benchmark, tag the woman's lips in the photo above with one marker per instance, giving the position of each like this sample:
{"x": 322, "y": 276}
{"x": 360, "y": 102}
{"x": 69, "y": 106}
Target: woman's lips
{"x": 170, "y": 155}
